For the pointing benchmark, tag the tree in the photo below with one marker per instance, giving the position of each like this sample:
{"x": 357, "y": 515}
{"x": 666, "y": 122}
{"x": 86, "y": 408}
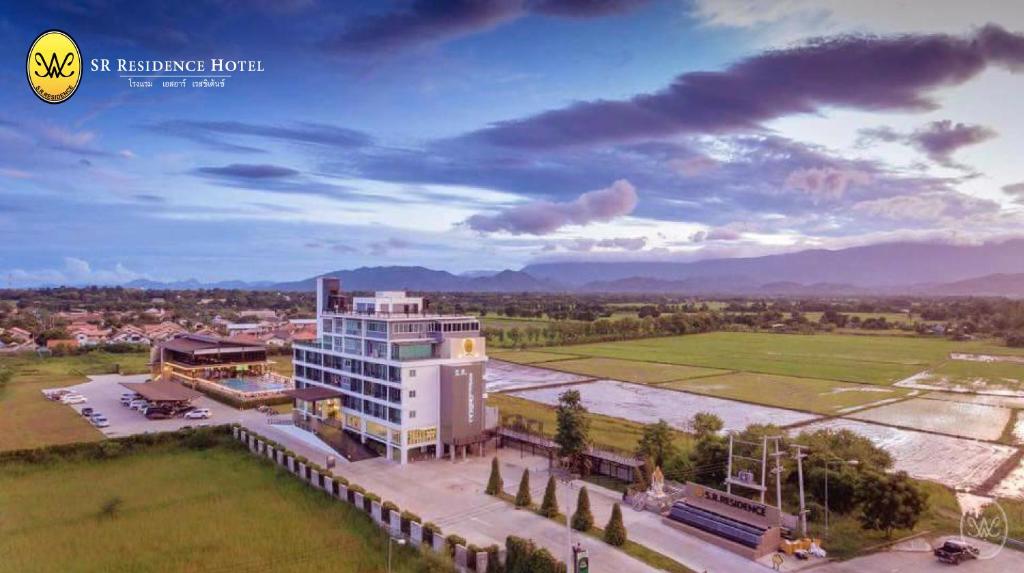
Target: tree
{"x": 523, "y": 495}
{"x": 494, "y": 484}
{"x": 582, "y": 519}
{"x": 615, "y": 531}
{"x": 549, "y": 507}
{"x": 573, "y": 433}
{"x": 706, "y": 424}
{"x": 890, "y": 501}
{"x": 710, "y": 458}
{"x": 656, "y": 443}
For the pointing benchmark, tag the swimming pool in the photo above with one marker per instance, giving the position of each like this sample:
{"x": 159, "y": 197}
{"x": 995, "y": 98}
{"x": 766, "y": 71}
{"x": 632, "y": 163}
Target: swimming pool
{"x": 253, "y": 385}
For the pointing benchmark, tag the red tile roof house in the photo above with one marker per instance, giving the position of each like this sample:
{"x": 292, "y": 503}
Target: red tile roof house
{"x": 19, "y": 334}
{"x": 130, "y": 334}
{"x": 89, "y": 335}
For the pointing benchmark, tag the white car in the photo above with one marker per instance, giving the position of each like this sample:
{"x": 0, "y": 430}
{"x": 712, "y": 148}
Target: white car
{"x": 73, "y": 399}
{"x": 138, "y": 405}
{"x": 198, "y": 414}
{"x": 99, "y": 420}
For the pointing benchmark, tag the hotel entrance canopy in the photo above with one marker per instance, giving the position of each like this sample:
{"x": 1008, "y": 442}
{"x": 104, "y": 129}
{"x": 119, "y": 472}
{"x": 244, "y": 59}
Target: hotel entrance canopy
{"x": 313, "y": 394}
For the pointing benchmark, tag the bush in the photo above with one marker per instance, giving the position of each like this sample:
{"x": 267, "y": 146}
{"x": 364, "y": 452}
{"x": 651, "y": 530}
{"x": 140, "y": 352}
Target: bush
{"x": 408, "y": 517}
{"x": 452, "y": 540}
{"x": 583, "y": 519}
{"x": 523, "y": 498}
{"x": 517, "y": 554}
{"x": 542, "y": 561}
{"x": 111, "y": 507}
{"x": 493, "y": 559}
{"x": 386, "y": 508}
{"x": 549, "y": 507}
{"x": 615, "y": 531}
{"x": 494, "y": 483}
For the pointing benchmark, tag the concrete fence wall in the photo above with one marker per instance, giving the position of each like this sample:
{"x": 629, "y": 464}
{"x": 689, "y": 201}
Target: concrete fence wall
{"x": 463, "y": 558}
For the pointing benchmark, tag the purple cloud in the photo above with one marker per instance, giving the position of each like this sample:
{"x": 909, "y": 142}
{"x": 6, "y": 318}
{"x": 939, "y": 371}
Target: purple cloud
{"x": 940, "y": 139}
{"x": 583, "y": 245}
{"x": 211, "y": 133}
{"x": 435, "y": 21}
{"x": 545, "y": 217}
{"x": 249, "y": 171}
{"x": 857, "y": 72}
{"x": 826, "y": 183}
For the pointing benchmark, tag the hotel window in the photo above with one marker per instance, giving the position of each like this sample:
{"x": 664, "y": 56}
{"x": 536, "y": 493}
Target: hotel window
{"x": 412, "y": 393}
{"x": 352, "y": 346}
{"x": 353, "y": 326}
{"x": 412, "y": 374}
{"x": 412, "y": 414}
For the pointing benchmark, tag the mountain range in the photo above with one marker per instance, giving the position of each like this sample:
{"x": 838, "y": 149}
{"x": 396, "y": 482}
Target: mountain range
{"x": 992, "y": 269}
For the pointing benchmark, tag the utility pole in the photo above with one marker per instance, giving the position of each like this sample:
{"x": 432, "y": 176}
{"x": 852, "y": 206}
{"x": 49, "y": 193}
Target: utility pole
{"x": 800, "y": 455}
{"x": 777, "y": 454}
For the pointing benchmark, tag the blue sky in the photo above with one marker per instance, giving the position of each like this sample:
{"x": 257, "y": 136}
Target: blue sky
{"x": 483, "y": 135}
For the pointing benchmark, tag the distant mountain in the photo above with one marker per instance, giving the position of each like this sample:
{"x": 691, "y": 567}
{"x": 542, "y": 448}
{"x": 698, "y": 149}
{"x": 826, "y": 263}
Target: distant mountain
{"x": 884, "y": 265}
{"x": 1008, "y": 285}
{"x": 477, "y": 274}
{"x": 424, "y": 279}
{"x": 193, "y": 284}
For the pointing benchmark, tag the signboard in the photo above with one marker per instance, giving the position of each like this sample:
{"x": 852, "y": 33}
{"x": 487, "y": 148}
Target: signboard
{"x": 735, "y": 506}
{"x": 462, "y": 402}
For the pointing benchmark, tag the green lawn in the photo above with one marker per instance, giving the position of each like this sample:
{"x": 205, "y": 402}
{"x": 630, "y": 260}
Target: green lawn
{"x": 631, "y": 370}
{"x": 866, "y": 359}
{"x": 213, "y": 510}
{"x": 28, "y": 420}
{"x": 811, "y": 395}
{"x": 526, "y": 356}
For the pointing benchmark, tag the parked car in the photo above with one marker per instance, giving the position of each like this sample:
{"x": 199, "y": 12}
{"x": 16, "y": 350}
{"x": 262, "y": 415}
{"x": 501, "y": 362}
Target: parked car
{"x": 74, "y": 399}
{"x": 198, "y": 414}
{"x": 157, "y": 414}
{"x": 138, "y": 404}
{"x": 100, "y": 421}
{"x": 87, "y": 411}
{"x": 956, "y": 552}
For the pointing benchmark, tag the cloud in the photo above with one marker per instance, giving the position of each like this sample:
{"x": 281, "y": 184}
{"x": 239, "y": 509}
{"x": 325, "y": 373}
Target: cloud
{"x": 75, "y": 272}
{"x": 211, "y": 134}
{"x": 927, "y": 207}
{"x": 149, "y": 198}
{"x": 716, "y": 234}
{"x": 436, "y": 21}
{"x": 584, "y": 245}
{"x": 543, "y": 217}
{"x": 382, "y": 248}
{"x": 858, "y": 72}
{"x": 940, "y": 139}
{"x": 1015, "y": 190}
{"x": 826, "y": 183}
{"x": 249, "y": 171}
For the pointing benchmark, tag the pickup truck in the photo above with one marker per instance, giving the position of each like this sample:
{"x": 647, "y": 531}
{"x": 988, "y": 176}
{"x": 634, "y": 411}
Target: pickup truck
{"x": 956, "y": 552}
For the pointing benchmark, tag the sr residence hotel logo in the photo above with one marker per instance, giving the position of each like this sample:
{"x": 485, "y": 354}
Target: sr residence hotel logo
{"x": 55, "y": 68}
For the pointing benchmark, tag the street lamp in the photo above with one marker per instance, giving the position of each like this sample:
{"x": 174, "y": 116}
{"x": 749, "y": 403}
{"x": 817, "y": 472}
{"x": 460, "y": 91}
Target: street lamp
{"x": 827, "y": 463}
{"x": 566, "y": 476}
{"x": 400, "y": 541}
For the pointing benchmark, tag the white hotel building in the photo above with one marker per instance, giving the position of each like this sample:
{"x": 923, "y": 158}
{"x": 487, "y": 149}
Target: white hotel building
{"x": 386, "y": 370}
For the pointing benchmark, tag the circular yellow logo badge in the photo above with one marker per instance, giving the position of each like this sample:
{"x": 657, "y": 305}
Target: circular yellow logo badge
{"x": 54, "y": 66}
{"x": 467, "y": 346}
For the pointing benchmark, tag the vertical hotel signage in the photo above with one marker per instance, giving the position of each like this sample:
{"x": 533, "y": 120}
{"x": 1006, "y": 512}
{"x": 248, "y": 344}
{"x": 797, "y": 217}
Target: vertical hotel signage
{"x": 471, "y": 403}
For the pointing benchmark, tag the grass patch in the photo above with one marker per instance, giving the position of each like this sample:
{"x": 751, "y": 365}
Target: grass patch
{"x": 172, "y": 509}
{"x": 605, "y": 431}
{"x": 631, "y": 370}
{"x": 27, "y": 420}
{"x": 975, "y": 375}
{"x": 863, "y": 359}
{"x": 810, "y": 395}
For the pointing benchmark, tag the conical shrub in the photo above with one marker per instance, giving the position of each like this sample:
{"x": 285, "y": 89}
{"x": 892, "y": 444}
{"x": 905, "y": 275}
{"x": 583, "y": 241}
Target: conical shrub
{"x": 494, "y": 484}
{"x": 615, "y": 531}
{"x": 583, "y": 520}
{"x": 523, "y": 495}
{"x": 549, "y": 507}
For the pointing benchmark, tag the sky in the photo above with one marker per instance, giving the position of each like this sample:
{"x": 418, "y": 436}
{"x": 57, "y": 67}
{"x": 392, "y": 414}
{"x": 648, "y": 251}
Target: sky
{"x": 482, "y": 135}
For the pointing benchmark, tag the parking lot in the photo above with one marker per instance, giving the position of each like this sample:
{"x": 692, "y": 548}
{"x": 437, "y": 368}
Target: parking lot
{"x": 104, "y": 396}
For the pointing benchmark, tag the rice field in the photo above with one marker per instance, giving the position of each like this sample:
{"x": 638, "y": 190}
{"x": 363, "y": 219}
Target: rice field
{"x": 502, "y": 376}
{"x": 181, "y": 511}
{"x": 807, "y": 394}
{"x": 963, "y": 419}
{"x": 972, "y": 376}
{"x": 954, "y": 462}
{"x": 864, "y": 359}
{"x": 631, "y": 370}
{"x": 525, "y": 356}
{"x": 648, "y": 404}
